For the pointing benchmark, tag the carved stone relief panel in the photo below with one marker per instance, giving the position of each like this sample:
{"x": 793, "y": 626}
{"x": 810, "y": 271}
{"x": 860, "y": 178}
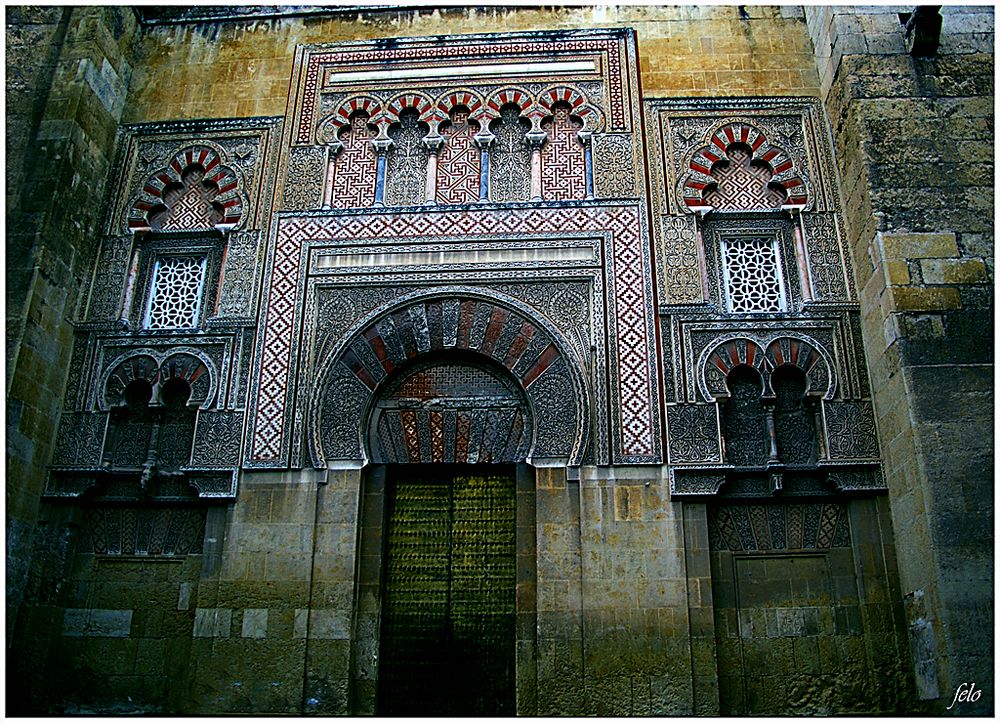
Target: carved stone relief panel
{"x": 79, "y": 439}
{"x": 759, "y": 528}
{"x": 108, "y": 288}
{"x": 614, "y": 165}
{"x": 510, "y": 158}
{"x": 693, "y": 431}
{"x": 850, "y": 430}
{"x": 406, "y": 167}
{"x": 217, "y": 439}
{"x": 304, "y": 180}
{"x": 827, "y": 268}
{"x": 240, "y": 276}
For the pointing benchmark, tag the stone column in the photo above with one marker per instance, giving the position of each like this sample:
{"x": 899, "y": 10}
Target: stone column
{"x": 434, "y": 144}
{"x": 382, "y": 146}
{"x": 535, "y": 139}
{"x": 586, "y": 138}
{"x": 483, "y": 140}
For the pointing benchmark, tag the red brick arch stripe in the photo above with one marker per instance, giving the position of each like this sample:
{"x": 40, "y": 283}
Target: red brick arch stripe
{"x": 785, "y": 350}
{"x": 735, "y": 352}
{"x": 224, "y": 178}
{"x": 416, "y": 101}
{"x": 449, "y": 102}
{"x": 398, "y": 337}
{"x": 518, "y": 97}
{"x": 698, "y": 175}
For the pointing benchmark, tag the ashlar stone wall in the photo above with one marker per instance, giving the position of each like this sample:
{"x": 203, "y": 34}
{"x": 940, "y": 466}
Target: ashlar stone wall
{"x": 914, "y": 139}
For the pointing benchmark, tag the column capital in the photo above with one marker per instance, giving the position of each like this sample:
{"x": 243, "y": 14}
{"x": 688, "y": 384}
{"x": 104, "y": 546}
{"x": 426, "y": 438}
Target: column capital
{"x": 484, "y": 139}
{"x": 536, "y": 139}
{"x": 433, "y": 144}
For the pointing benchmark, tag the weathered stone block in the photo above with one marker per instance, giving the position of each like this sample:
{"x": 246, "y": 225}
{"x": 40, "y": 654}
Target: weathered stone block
{"x": 212, "y": 622}
{"x": 909, "y": 298}
{"x": 97, "y": 623}
{"x": 919, "y": 245}
{"x": 954, "y": 271}
{"x": 254, "y": 623}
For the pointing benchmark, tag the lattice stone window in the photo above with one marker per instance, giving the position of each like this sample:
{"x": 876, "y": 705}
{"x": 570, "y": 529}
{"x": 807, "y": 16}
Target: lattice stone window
{"x": 176, "y": 292}
{"x": 751, "y": 268}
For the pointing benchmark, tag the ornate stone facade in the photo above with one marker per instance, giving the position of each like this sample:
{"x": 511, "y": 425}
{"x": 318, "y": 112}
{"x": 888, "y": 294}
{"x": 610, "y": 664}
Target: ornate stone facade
{"x": 465, "y": 352}
{"x": 751, "y": 279}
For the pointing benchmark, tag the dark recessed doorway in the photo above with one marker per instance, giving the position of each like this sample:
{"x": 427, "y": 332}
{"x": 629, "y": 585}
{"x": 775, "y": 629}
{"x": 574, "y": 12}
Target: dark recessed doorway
{"x": 448, "y": 606}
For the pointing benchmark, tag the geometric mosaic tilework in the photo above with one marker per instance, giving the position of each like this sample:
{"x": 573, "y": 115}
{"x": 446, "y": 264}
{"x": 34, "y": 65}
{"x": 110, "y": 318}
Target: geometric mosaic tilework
{"x": 563, "y": 172}
{"x": 354, "y": 168}
{"x": 633, "y": 372}
{"x": 458, "y": 163}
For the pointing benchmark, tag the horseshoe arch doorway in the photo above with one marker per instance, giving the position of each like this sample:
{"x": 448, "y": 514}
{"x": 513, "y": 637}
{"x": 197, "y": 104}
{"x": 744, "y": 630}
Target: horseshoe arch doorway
{"x": 448, "y": 531}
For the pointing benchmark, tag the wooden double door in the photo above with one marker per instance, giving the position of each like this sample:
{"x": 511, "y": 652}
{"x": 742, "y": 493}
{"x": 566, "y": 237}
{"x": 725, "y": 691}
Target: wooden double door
{"x": 447, "y": 641}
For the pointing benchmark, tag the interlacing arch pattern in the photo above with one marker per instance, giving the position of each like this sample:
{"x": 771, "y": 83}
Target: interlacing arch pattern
{"x": 479, "y": 144}
{"x": 770, "y": 165}
{"x": 720, "y": 359}
{"x": 196, "y": 191}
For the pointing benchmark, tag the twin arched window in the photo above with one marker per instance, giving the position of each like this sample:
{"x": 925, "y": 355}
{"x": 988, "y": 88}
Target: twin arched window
{"x": 761, "y": 431}
{"x": 152, "y": 430}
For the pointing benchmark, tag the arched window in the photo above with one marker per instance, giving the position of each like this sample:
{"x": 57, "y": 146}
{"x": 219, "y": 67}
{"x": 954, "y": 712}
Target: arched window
{"x": 150, "y": 431}
{"x": 794, "y": 422}
{"x": 744, "y": 423}
{"x": 510, "y": 157}
{"x": 176, "y": 428}
{"x": 126, "y": 446}
{"x": 406, "y": 171}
